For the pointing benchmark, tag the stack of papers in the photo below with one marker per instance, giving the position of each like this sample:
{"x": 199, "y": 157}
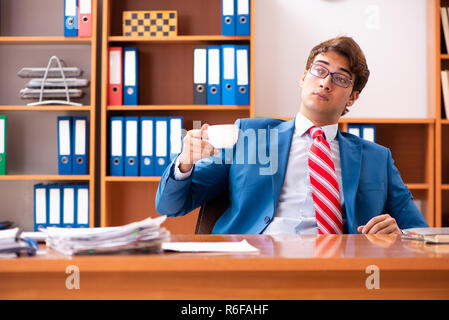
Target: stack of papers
{"x": 12, "y": 244}
{"x": 428, "y": 235}
{"x": 142, "y": 236}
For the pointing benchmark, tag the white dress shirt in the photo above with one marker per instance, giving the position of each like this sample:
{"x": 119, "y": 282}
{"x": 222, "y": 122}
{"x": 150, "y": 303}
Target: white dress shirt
{"x": 295, "y": 213}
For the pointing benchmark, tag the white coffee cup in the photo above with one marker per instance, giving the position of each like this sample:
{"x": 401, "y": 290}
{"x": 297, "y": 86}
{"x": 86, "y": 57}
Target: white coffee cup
{"x": 223, "y": 135}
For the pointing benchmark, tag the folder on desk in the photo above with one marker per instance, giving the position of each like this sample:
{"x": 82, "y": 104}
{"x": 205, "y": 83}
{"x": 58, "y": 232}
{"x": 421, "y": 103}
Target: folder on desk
{"x": 242, "y": 62}
{"x": 85, "y": 18}
{"x": 115, "y": 87}
{"x": 79, "y": 145}
{"x": 68, "y": 206}
{"x": 40, "y": 206}
{"x": 54, "y": 205}
{"x": 355, "y": 129}
{"x": 228, "y": 17}
{"x": 213, "y": 75}
{"x": 70, "y": 18}
{"x": 242, "y": 21}
{"x": 130, "y": 76}
{"x": 147, "y": 146}
{"x": 161, "y": 131}
{"x": 131, "y": 146}
{"x": 199, "y": 75}
{"x": 175, "y": 136}
{"x": 228, "y": 82}
{"x": 116, "y": 147}
{"x": 82, "y": 206}
{"x": 369, "y": 132}
{"x": 2, "y": 145}
{"x": 65, "y": 157}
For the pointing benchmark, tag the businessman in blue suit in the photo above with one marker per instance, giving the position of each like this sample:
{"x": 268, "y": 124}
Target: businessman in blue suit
{"x": 275, "y": 194}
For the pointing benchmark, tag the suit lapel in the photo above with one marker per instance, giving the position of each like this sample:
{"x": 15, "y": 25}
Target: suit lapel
{"x": 285, "y": 134}
{"x": 350, "y": 157}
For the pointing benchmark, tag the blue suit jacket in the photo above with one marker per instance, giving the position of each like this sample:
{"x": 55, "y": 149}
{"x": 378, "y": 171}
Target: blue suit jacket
{"x": 371, "y": 183}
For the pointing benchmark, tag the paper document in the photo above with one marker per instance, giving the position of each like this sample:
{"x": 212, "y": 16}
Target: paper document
{"x": 428, "y": 235}
{"x": 242, "y": 246}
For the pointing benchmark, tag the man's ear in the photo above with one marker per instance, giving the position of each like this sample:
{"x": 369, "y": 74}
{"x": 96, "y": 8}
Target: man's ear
{"x": 353, "y": 97}
{"x": 301, "y": 82}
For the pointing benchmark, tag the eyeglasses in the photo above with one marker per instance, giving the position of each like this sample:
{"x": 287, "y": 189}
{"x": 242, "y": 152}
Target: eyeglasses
{"x": 338, "y": 79}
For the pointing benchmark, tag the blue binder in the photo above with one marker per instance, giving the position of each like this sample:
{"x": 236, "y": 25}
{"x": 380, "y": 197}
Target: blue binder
{"x": 161, "y": 131}
{"x": 79, "y": 145}
{"x": 70, "y": 18}
{"x": 369, "y": 132}
{"x": 54, "y": 207}
{"x": 242, "y": 70}
{"x": 242, "y": 21}
{"x": 176, "y": 136}
{"x": 82, "y": 211}
{"x": 116, "y": 146}
{"x": 228, "y": 17}
{"x": 213, "y": 75}
{"x": 68, "y": 206}
{"x": 65, "y": 157}
{"x": 228, "y": 82}
{"x": 130, "y": 76}
{"x": 131, "y": 146}
{"x": 147, "y": 140}
{"x": 40, "y": 206}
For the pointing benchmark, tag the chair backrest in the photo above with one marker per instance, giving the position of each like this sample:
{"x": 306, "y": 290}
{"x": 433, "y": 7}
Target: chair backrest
{"x": 210, "y": 212}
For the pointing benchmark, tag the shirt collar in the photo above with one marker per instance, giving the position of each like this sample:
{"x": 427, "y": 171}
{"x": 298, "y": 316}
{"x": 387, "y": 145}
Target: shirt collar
{"x": 302, "y": 124}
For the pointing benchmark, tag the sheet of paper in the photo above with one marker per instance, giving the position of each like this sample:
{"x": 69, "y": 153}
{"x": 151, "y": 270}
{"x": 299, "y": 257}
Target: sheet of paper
{"x": 242, "y": 246}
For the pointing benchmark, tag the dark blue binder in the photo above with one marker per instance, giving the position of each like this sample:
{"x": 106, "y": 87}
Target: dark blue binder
{"x": 130, "y": 76}
{"x": 65, "y": 153}
{"x": 116, "y": 147}
{"x": 131, "y": 146}
{"x": 79, "y": 145}
{"x": 70, "y": 18}
{"x": 147, "y": 141}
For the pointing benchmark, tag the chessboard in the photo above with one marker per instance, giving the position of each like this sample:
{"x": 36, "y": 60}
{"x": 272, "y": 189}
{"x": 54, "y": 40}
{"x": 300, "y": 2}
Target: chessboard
{"x": 150, "y": 23}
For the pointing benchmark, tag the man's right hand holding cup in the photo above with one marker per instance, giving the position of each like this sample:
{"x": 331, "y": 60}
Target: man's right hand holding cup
{"x": 195, "y": 147}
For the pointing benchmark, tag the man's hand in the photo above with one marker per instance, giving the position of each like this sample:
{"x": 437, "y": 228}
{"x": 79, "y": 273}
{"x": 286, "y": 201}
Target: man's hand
{"x": 380, "y": 224}
{"x": 195, "y": 148}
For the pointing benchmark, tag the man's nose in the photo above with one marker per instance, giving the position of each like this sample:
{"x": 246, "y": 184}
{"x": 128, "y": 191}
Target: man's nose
{"x": 326, "y": 83}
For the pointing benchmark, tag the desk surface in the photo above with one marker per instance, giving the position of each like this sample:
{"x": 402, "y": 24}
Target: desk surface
{"x": 320, "y": 261}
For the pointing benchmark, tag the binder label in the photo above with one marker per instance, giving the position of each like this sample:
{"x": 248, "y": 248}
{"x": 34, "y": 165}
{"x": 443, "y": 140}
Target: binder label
{"x": 131, "y": 138}
{"x": 80, "y": 137}
{"x": 214, "y": 72}
{"x": 69, "y": 206}
{"x": 115, "y": 67}
{"x": 130, "y": 70}
{"x": 228, "y": 63}
{"x": 41, "y": 206}
{"x": 70, "y": 8}
{"x": 243, "y": 7}
{"x": 116, "y": 147}
{"x": 242, "y": 69}
{"x": 64, "y": 137}
{"x": 55, "y": 206}
{"x": 85, "y": 6}
{"x": 200, "y": 66}
{"x": 161, "y": 136}
{"x": 147, "y": 138}
{"x": 228, "y": 7}
{"x": 83, "y": 206}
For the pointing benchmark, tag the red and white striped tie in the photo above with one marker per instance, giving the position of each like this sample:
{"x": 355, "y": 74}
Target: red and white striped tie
{"x": 325, "y": 191}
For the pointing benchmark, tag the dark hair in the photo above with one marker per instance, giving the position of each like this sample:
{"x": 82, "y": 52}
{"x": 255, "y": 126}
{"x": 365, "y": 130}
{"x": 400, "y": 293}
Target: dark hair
{"x": 347, "y": 47}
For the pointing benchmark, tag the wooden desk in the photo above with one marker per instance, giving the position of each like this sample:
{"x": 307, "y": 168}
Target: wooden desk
{"x": 287, "y": 267}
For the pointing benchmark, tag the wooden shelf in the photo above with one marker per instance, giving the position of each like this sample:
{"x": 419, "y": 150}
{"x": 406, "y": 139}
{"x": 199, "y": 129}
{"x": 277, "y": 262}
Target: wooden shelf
{"x": 132, "y": 179}
{"x": 417, "y": 186}
{"x": 177, "y": 39}
{"x": 44, "y": 40}
{"x": 13, "y": 177}
{"x": 179, "y": 107}
{"x": 444, "y": 121}
{"x": 46, "y": 108}
{"x": 444, "y": 56}
{"x": 445, "y": 187}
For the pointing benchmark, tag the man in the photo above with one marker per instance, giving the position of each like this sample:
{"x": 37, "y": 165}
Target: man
{"x": 324, "y": 181}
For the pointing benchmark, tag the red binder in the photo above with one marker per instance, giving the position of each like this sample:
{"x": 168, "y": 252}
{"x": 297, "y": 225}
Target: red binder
{"x": 84, "y": 18}
{"x": 115, "y": 76}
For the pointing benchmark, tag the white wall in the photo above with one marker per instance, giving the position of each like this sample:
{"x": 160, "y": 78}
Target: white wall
{"x": 392, "y": 33}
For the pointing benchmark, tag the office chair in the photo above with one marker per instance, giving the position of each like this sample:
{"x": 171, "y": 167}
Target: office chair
{"x": 210, "y": 212}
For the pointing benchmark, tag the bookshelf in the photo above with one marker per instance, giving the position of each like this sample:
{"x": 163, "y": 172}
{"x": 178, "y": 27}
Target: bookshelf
{"x": 165, "y": 89}
{"x": 29, "y": 39}
{"x": 438, "y": 60}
